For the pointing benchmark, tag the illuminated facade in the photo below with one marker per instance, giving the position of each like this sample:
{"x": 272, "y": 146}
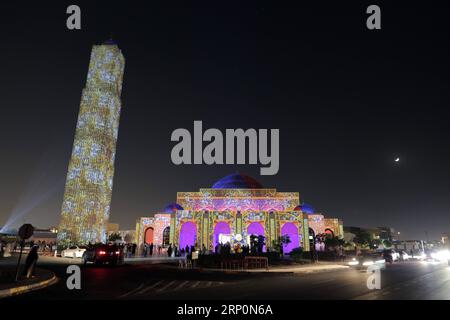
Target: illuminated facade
{"x": 234, "y": 208}
{"x": 154, "y": 230}
{"x": 89, "y": 183}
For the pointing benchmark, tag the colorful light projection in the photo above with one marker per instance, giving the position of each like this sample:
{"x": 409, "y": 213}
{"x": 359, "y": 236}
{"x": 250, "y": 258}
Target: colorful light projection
{"x": 316, "y": 222}
{"x": 222, "y": 233}
{"x": 188, "y": 234}
{"x": 89, "y": 182}
{"x": 291, "y": 230}
{"x": 158, "y": 223}
{"x": 238, "y": 200}
{"x": 257, "y": 229}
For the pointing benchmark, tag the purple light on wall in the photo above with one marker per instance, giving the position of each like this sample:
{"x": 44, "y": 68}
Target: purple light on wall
{"x": 188, "y": 234}
{"x": 291, "y": 230}
{"x": 257, "y": 229}
{"x": 220, "y": 228}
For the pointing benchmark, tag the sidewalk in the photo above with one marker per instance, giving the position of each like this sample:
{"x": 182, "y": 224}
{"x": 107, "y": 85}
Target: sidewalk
{"x": 8, "y": 287}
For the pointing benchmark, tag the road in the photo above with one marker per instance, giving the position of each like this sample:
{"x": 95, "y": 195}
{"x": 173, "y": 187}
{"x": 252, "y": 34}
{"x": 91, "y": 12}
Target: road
{"x": 406, "y": 280}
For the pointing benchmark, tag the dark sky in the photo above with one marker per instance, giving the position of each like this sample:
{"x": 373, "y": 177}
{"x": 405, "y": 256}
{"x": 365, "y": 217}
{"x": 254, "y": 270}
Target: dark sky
{"x": 347, "y": 101}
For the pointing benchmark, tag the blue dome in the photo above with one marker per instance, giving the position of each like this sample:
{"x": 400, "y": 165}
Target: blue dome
{"x": 173, "y": 207}
{"x": 237, "y": 181}
{"x": 306, "y": 208}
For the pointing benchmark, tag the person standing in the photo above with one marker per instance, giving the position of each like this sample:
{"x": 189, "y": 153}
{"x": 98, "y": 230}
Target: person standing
{"x": 30, "y": 262}
{"x": 169, "y": 251}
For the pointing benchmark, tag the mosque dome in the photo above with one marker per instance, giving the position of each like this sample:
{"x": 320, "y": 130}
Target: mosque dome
{"x": 306, "y": 208}
{"x": 173, "y": 207}
{"x": 237, "y": 181}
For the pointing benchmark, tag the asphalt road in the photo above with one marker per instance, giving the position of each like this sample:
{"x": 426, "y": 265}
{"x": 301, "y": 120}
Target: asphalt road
{"x": 406, "y": 280}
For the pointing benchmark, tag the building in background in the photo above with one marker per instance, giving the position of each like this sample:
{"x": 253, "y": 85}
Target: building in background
{"x": 445, "y": 239}
{"x": 89, "y": 183}
{"x": 234, "y": 208}
{"x": 44, "y": 235}
{"x": 112, "y": 228}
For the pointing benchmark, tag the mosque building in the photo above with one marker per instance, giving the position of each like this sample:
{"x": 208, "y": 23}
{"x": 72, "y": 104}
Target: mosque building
{"x": 234, "y": 208}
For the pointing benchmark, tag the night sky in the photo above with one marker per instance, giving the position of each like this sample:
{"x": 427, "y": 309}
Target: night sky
{"x": 347, "y": 101}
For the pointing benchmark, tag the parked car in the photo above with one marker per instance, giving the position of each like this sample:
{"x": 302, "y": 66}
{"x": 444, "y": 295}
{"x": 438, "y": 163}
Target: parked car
{"x": 103, "y": 253}
{"x": 73, "y": 252}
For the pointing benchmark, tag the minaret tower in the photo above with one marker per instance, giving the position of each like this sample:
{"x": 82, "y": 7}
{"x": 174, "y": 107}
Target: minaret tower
{"x": 89, "y": 182}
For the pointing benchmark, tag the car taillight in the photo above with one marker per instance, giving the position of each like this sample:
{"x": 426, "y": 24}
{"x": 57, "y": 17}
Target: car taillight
{"x": 117, "y": 252}
{"x": 102, "y": 252}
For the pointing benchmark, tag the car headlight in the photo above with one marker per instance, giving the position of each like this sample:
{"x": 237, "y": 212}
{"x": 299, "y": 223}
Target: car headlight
{"x": 354, "y": 262}
{"x": 441, "y": 255}
{"x": 368, "y": 263}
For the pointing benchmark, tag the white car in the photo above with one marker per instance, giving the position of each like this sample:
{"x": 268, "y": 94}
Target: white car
{"x": 73, "y": 252}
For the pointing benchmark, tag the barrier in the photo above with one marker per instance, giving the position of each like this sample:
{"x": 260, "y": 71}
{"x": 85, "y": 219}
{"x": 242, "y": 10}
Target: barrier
{"x": 245, "y": 264}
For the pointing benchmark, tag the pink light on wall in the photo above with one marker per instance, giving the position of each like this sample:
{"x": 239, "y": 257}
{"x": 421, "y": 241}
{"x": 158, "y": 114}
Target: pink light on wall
{"x": 291, "y": 230}
{"x": 188, "y": 234}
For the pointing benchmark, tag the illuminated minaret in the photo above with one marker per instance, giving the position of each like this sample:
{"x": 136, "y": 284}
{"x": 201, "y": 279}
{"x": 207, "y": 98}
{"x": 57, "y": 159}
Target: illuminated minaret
{"x": 89, "y": 183}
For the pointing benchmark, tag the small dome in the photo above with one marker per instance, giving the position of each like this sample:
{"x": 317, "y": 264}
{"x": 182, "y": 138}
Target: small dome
{"x": 173, "y": 207}
{"x": 306, "y": 208}
{"x": 237, "y": 181}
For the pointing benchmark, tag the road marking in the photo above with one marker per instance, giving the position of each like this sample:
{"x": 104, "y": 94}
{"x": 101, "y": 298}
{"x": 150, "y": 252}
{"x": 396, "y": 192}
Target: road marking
{"x": 150, "y": 287}
{"x": 131, "y": 291}
{"x": 195, "y": 284}
{"x": 208, "y": 284}
{"x": 166, "y": 286}
{"x": 181, "y": 285}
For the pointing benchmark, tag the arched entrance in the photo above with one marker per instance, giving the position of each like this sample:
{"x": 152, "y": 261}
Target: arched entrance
{"x": 291, "y": 230}
{"x": 188, "y": 234}
{"x": 329, "y": 233}
{"x": 148, "y": 235}
{"x": 166, "y": 237}
{"x": 257, "y": 229}
{"x": 221, "y": 228}
{"x": 312, "y": 240}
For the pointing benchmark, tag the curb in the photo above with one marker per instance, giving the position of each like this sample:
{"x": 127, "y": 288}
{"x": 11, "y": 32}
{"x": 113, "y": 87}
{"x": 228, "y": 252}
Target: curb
{"x": 27, "y": 288}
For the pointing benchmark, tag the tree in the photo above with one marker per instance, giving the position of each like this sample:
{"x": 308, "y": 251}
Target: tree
{"x": 362, "y": 239}
{"x": 387, "y": 244}
{"x": 128, "y": 238}
{"x": 114, "y": 237}
{"x": 256, "y": 244}
{"x": 280, "y": 242}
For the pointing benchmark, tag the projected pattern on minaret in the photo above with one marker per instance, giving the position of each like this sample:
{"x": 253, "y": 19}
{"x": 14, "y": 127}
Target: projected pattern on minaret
{"x": 87, "y": 197}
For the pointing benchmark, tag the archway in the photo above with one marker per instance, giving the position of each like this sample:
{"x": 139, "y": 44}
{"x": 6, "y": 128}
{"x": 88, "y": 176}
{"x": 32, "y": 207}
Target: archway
{"x": 166, "y": 237}
{"x": 257, "y": 229}
{"x": 312, "y": 240}
{"x": 291, "y": 230}
{"x": 223, "y": 228}
{"x": 148, "y": 235}
{"x": 188, "y": 234}
{"x": 329, "y": 233}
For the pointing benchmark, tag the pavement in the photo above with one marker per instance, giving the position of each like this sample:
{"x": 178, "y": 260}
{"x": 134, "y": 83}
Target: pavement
{"x": 155, "y": 280}
{"x": 43, "y": 278}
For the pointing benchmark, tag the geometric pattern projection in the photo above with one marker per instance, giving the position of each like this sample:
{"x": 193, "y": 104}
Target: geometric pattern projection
{"x": 89, "y": 182}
